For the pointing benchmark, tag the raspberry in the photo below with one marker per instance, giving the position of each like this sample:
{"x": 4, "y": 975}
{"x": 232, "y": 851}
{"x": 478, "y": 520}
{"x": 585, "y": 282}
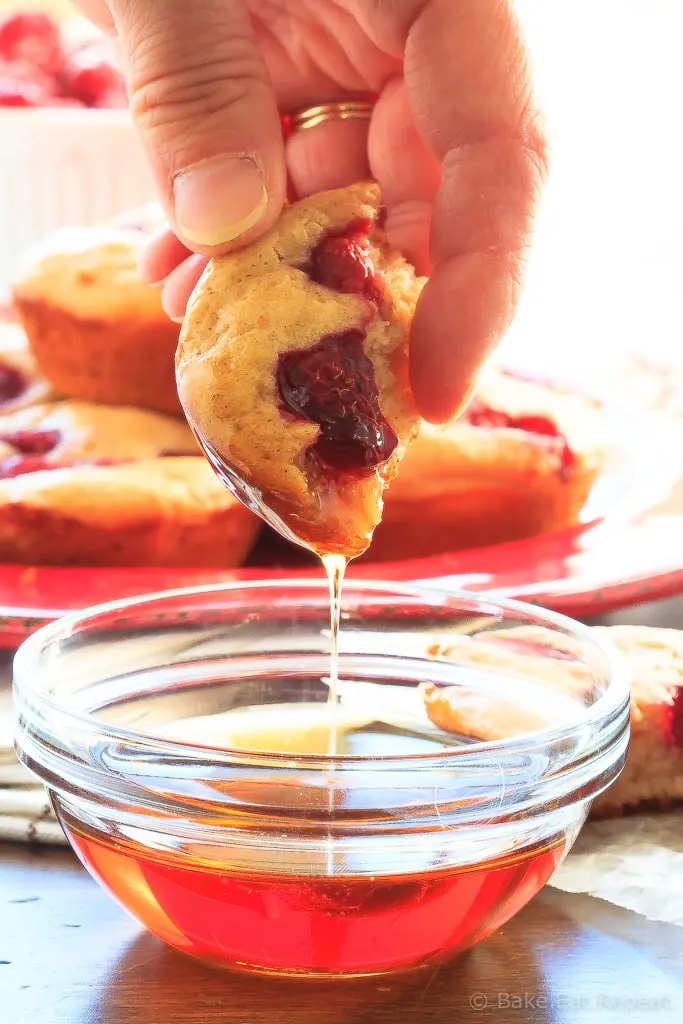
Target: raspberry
{"x": 12, "y": 383}
{"x": 33, "y": 38}
{"x": 676, "y": 720}
{"x": 333, "y": 385}
{"x": 480, "y": 415}
{"x": 33, "y": 442}
{"x": 344, "y": 262}
{"x": 23, "y": 86}
{"x": 91, "y": 77}
{"x": 536, "y": 425}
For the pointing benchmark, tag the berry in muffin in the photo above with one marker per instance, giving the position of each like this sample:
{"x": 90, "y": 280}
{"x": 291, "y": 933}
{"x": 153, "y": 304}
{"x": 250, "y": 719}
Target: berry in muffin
{"x": 292, "y": 369}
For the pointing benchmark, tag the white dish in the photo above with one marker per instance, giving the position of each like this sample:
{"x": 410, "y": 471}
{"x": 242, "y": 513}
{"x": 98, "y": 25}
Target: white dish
{"x": 64, "y": 167}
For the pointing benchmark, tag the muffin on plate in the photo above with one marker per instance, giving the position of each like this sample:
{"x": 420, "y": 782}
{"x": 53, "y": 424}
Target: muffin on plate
{"x": 653, "y": 773}
{"x": 163, "y": 511}
{"x": 292, "y": 369}
{"x": 68, "y": 433}
{"x": 88, "y": 484}
{"x": 520, "y": 461}
{"x": 98, "y": 332}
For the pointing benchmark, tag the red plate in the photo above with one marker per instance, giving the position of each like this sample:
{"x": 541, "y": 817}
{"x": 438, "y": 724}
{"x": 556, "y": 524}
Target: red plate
{"x": 620, "y": 554}
{"x": 591, "y": 568}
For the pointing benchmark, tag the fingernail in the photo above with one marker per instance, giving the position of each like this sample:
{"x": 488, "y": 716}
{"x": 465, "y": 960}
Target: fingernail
{"x": 219, "y": 199}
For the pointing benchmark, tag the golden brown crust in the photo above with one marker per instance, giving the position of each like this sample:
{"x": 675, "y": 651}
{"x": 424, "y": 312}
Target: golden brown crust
{"x": 466, "y": 486}
{"x": 90, "y": 272}
{"x": 653, "y": 773}
{"x": 478, "y": 715}
{"x": 97, "y": 330}
{"x": 530, "y": 652}
{"x": 171, "y": 512}
{"x": 87, "y": 431}
{"x": 125, "y": 361}
{"x": 252, "y": 306}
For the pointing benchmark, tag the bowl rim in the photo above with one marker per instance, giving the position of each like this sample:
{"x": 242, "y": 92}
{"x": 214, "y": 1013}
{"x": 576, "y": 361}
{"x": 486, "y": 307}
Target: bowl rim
{"x": 26, "y": 668}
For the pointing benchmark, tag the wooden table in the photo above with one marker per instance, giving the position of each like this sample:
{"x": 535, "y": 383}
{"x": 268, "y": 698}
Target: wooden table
{"x": 69, "y": 955}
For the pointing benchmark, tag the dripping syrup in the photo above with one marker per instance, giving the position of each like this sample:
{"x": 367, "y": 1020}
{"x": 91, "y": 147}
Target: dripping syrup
{"x": 330, "y": 914}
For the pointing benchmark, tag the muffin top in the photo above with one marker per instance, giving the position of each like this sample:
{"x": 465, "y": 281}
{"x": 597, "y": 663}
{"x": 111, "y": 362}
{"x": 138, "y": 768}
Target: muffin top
{"x": 91, "y": 273}
{"x": 65, "y": 433}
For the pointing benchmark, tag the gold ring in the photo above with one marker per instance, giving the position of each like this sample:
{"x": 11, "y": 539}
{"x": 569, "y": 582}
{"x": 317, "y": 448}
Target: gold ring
{"x": 346, "y": 110}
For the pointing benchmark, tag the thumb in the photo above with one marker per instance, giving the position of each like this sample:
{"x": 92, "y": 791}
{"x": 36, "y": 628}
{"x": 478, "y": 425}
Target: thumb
{"x": 202, "y": 100}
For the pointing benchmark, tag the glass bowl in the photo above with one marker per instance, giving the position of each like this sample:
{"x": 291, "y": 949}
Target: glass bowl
{"x": 185, "y": 740}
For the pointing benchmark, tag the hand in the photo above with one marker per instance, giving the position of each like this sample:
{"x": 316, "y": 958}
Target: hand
{"x": 454, "y": 141}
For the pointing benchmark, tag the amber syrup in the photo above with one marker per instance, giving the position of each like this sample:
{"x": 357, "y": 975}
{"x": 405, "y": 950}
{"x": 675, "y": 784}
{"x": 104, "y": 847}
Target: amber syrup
{"x": 314, "y": 925}
{"x": 333, "y": 913}
{"x": 335, "y": 568}
{"x": 337, "y": 917}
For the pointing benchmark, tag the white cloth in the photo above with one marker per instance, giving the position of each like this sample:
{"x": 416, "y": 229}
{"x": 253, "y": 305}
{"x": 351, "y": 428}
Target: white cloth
{"x": 26, "y": 815}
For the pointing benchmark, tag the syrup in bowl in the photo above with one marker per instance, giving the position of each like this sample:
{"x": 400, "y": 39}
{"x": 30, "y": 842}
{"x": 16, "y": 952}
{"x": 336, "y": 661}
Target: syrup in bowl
{"x": 204, "y": 780}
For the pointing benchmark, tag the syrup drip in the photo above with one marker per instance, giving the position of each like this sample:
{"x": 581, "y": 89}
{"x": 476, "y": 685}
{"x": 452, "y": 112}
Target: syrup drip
{"x": 333, "y": 385}
{"x": 335, "y": 568}
{"x": 333, "y": 564}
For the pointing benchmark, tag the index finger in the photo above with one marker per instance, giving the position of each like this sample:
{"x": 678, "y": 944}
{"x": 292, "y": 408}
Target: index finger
{"x": 469, "y": 83}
